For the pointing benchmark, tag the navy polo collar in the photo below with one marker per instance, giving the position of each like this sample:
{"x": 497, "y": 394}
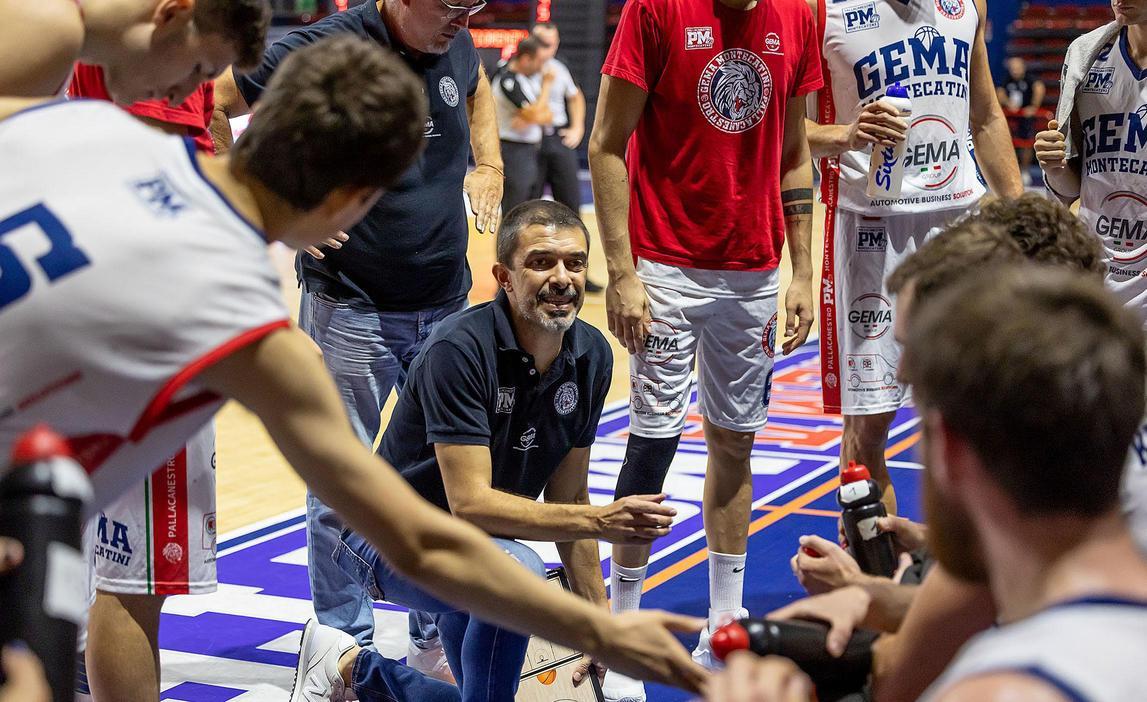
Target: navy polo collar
{"x": 374, "y": 25}
{"x": 508, "y": 342}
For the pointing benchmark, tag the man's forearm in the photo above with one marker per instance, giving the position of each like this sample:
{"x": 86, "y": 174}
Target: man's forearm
{"x": 1065, "y": 182}
{"x": 577, "y": 111}
{"x": 583, "y": 568}
{"x": 797, "y": 205}
{"x": 993, "y": 141}
{"x": 220, "y": 128}
{"x": 501, "y": 513}
{"x": 610, "y": 181}
{"x": 484, "y": 125}
{"x": 826, "y": 140}
{"x": 890, "y": 602}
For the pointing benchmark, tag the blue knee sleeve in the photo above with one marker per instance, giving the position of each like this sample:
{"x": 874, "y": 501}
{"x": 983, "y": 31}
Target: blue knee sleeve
{"x": 646, "y": 465}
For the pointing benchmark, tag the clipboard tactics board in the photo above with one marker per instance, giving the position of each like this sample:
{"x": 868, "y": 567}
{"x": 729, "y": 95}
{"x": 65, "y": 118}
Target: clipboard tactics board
{"x": 547, "y": 674}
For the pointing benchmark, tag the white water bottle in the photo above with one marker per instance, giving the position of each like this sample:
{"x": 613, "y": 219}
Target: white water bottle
{"x": 886, "y": 167}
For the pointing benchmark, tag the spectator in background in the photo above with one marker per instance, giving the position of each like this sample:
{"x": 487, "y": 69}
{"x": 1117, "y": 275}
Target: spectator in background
{"x": 557, "y": 161}
{"x": 521, "y": 97}
{"x": 1024, "y": 93}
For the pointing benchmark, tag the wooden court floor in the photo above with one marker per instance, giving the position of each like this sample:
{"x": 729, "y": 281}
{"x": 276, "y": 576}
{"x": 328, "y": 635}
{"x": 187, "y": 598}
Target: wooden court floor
{"x": 254, "y": 483}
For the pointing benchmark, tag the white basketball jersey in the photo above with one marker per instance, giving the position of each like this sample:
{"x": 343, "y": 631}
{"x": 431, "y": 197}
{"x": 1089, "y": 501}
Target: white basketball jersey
{"x": 1112, "y": 110}
{"x": 926, "y": 46}
{"x": 123, "y": 274}
{"x": 1089, "y": 649}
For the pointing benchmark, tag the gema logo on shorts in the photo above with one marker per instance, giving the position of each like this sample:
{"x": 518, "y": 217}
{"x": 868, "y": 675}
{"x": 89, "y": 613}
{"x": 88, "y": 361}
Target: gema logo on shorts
{"x": 870, "y": 316}
{"x": 734, "y": 90}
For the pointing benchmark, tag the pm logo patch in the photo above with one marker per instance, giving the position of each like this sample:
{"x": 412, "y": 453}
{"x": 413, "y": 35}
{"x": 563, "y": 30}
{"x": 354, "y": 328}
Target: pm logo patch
{"x": 858, "y": 19}
{"x": 1099, "y": 81}
{"x": 698, "y": 38}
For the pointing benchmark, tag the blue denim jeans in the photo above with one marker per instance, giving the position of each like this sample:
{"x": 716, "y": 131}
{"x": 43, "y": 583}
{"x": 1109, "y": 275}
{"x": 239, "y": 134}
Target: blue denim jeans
{"x": 368, "y": 353}
{"x": 486, "y": 660}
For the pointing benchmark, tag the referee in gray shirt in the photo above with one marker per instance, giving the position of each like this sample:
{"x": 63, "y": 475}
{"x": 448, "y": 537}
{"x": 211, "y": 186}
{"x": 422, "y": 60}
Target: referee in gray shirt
{"x": 521, "y": 100}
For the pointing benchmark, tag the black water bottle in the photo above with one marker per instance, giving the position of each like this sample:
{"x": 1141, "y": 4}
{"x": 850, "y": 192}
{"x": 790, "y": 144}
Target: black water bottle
{"x": 43, "y": 600}
{"x": 805, "y": 643}
{"x": 860, "y": 508}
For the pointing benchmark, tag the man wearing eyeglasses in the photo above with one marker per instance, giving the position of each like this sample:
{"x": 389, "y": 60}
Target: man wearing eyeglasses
{"x": 371, "y": 301}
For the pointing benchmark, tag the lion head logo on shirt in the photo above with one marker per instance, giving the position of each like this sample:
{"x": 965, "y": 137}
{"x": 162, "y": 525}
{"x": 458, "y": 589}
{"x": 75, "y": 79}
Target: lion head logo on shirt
{"x": 734, "y": 90}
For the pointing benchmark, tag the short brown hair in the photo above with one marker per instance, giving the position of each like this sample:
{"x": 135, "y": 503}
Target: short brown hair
{"x": 1041, "y": 371}
{"x": 340, "y": 112}
{"x": 243, "y": 23}
{"x": 1029, "y": 227}
{"x": 546, "y": 213}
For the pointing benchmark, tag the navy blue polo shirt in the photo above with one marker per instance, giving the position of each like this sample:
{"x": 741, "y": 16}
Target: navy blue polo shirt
{"x": 409, "y": 252}
{"x": 472, "y": 384}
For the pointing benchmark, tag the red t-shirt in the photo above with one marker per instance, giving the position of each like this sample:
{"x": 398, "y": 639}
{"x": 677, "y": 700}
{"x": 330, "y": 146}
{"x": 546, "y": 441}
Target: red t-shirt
{"x": 194, "y": 113}
{"x": 704, "y": 161}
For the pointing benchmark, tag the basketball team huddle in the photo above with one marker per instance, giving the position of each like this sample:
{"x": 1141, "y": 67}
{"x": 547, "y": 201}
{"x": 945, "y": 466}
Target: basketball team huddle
{"x": 138, "y": 295}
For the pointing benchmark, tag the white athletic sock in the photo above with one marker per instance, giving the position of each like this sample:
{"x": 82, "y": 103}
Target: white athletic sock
{"x": 625, "y": 587}
{"x": 726, "y": 586}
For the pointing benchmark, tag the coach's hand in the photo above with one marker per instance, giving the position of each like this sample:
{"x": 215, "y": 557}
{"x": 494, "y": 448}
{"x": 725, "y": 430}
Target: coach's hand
{"x": 483, "y": 186}
{"x": 637, "y": 519}
{"x": 907, "y": 534}
{"x": 833, "y": 569}
{"x": 798, "y": 315}
{"x": 642, "y": 645}
{"x": 878, "y": 123}
{"x": 627, "y": 311}
{"x": 26, "y": 681}
{"x": 747, "y": 678}
{"x": 334, "y": 242}
{"x": 1051, "y": 148}
{"x": 843, "y": 610}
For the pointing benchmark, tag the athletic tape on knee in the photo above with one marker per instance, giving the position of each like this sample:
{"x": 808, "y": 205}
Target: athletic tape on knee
{"x": 646, "y": 465}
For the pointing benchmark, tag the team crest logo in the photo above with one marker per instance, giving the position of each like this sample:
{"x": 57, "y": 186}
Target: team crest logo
{"x": 448, "y": 89}
{"x": 565, "y": 399}
{"x": 173, "y": 553}
{"x": 769, "y": 339}
{"x": 952, "y": 9}
{"x": 734, "y": 90}
{"x": 773, "y": 42}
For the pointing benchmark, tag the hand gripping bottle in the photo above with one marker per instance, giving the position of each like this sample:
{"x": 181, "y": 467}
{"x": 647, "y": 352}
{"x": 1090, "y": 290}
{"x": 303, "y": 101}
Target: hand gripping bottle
{"x": 860, "y": 508}
{"x": 886, "y": 167}
{"x": 805, "y": 644}
{"x": 44, "y": 599}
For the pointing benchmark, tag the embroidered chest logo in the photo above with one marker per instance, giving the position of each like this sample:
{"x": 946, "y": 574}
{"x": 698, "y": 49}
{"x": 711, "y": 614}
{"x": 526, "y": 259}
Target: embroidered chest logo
{"x": 159, "y": 196}
{"x": 505, "y": 401}
{"x": 565, "y": 399}
{"x": 698, "y": 38}
{"x": 773, "y": 43}
{"x": 448, "y": 89}
{"x": 734, "y": 90}
{"x": 527, "y": 440}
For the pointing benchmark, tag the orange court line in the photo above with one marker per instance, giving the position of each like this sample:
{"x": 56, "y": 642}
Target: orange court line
{"x": 806, "y": 512}
{"x": 779, "y": 513}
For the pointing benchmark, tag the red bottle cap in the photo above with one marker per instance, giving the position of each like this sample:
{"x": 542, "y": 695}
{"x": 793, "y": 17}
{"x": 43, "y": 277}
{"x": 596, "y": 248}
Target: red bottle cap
{"x": 729, "y": 638}
{"x": 810, "y": 551}
{"x": 854, "y": 473}
{"x": 38, "y": 444}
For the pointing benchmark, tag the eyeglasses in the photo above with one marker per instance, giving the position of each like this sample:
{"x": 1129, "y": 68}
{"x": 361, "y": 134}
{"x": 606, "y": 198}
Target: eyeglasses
{"x": 459, "y": 10}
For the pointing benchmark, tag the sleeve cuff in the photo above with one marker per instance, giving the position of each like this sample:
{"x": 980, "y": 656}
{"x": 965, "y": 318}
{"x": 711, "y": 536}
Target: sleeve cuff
{"x": 464, "y": 439}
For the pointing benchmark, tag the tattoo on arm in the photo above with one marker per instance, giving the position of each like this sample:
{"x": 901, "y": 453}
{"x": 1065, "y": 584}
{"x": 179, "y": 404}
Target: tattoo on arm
{"x": 797, "y": 202}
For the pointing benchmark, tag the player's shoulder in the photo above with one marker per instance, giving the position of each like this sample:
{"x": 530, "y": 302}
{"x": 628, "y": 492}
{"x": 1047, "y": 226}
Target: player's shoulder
{"x": 1091, "y": 41}
{"x": 1003, "y": 686}
{"x": 39, "y": 42}
{"x": 57, "y": 23}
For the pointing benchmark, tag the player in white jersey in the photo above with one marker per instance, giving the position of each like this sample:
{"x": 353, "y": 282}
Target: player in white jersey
{"x": 138, "y": 294}
{"x": 1096, "y": 152}
{"x": 148, "y": 48}
{"x": 935, "y": 49}
{"x": 1028, "y": 502}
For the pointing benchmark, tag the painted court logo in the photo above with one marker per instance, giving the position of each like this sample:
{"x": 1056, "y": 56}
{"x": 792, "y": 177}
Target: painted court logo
{"x": 734, "y": 90}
